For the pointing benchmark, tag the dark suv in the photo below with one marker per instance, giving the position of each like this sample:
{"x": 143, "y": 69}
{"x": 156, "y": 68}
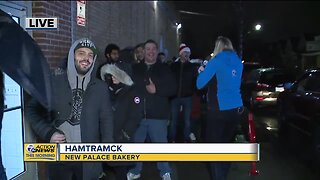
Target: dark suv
{"x": 263, "y": 85}
{"x": 299, "y": 107}
{"x": 248, "y": 67}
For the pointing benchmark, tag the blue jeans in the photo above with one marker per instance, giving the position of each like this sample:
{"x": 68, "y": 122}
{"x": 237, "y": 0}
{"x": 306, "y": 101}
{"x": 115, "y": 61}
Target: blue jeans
{"x": 186, "y": 103}
{"x": 157, "y": 131}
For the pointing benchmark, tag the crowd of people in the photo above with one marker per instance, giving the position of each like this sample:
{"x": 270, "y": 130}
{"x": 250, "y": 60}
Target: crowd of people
{"x": 117, "y": 101}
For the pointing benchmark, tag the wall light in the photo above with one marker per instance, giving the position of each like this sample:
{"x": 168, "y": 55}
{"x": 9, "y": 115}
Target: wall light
{"x": 179, "y": 26}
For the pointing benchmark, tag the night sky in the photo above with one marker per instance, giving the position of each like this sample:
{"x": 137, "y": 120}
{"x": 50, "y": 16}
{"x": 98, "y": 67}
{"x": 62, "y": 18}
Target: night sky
{"x": 279, "y": 20}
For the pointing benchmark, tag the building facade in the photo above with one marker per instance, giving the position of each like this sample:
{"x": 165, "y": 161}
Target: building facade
{"x": 125, "y": 23}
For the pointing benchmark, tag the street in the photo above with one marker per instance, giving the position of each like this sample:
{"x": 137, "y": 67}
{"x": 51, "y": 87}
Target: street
{"x": 278, "y": 160}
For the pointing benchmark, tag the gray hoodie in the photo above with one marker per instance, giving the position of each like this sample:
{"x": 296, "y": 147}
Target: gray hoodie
{"x": 78, "y": 84}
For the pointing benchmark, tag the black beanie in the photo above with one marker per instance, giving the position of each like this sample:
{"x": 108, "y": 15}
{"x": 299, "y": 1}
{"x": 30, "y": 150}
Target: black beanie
{"x": 86, "y": 43}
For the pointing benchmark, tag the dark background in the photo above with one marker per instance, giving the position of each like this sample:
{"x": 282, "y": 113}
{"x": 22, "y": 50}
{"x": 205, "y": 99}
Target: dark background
{"x": 203, "y": 21}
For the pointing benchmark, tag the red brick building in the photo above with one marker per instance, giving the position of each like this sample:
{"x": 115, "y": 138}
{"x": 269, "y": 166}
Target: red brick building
{"x": 125, "y": 23}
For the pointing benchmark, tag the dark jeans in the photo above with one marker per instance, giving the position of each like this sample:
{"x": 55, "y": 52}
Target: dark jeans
{"x": 186, "y": 103}
{"x": 65, "y": 171}
{"x": 221, "y": 128}
{"x": 119, "y": 171}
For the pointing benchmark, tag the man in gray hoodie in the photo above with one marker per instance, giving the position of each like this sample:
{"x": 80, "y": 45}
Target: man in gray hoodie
{"x": 81, "y": 111}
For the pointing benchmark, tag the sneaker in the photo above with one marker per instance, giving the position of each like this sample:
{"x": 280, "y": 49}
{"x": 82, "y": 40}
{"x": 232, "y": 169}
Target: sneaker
{"x": 102, "y": 175}
{"x": 131, "y": 176}
{"x": 166, "y": 176}
{"x": 192, "y": 137}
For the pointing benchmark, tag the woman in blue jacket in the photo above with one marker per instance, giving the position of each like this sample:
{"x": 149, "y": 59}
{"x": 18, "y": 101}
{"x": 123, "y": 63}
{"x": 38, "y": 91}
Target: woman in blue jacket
{"x": 222, "y": 74}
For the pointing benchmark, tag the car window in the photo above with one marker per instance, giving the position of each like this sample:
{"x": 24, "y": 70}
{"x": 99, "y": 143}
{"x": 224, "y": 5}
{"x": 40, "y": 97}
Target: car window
{"x": 247, "y": 68}
{"x": 311, "y": 83}
{"x": 274, "y": 77}
{"x": 254, "y": 75}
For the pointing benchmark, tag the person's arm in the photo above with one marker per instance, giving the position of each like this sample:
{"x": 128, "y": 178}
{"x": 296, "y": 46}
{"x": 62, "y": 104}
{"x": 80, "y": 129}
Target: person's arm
{"x": 40, "y": 120}
{"x": 106, "y": 116}
{"x": 133, "y": 116}
{"x": 209, "y": 71}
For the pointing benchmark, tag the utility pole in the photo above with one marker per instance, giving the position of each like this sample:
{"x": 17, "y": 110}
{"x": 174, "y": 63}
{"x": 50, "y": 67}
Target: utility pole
{"x": 241, "y": 23}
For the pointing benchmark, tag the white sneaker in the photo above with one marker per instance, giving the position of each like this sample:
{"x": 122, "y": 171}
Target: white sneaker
{"x": 131, "y": 176}
{"x": 166, "y": 176}
{"x": 192, "y": 137}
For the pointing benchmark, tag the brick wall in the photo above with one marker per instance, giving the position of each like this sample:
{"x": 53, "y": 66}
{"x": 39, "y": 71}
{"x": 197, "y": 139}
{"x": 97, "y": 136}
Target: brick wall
{"x": 127, "y": 24}
{"x": 54, "y": 43}
{"x": 122, "y": 22}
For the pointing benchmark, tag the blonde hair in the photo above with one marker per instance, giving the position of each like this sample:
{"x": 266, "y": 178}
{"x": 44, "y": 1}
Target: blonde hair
{"x": 222, "y": 43}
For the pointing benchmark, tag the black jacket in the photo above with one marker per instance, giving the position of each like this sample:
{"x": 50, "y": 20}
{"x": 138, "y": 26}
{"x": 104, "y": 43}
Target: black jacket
{"x": 128, "y": 111}
{"x": 155, "y": 106}
{"x": 186, "y": 75}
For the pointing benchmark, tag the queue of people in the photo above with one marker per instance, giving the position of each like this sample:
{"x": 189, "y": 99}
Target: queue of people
{"x": 120, "y": 102}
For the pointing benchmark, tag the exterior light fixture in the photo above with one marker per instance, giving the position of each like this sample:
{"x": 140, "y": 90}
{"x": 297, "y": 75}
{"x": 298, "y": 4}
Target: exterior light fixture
{"x": 179, "y": 26}
{"x": 257, "y": 27}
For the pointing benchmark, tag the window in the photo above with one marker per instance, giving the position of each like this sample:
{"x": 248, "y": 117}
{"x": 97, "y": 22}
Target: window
{"x": 311, "y": 83}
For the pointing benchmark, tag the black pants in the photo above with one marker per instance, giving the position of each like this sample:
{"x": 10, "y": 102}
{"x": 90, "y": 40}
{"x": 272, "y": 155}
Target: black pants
{"x": 65, "y": 171}
{"x": 119, "y": 169}
{"x": 221, "y": 128}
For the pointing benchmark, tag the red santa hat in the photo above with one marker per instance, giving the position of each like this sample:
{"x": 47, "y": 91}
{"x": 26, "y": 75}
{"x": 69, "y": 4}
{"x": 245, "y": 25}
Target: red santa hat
{"x": 184, "y": 48}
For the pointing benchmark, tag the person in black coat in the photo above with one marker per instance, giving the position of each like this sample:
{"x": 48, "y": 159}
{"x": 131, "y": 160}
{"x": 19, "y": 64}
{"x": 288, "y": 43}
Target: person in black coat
{"x": 155, "y": 83}
{"x": 127, "y": 110}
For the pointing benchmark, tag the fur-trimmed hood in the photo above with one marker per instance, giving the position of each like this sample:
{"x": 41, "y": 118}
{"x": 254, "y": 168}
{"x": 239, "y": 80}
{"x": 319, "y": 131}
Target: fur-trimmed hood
{"x": 121, "y": 75}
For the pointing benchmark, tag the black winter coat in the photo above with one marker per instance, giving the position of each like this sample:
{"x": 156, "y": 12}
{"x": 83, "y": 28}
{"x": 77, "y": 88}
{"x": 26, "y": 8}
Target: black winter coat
{"x": 128, "y": 112}
{"x": 186, "y": 75}
{"x": 155, "y": 106}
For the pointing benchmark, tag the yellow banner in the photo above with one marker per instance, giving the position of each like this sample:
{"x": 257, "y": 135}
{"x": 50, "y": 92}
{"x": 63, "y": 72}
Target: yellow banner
{"x": 40, "y": 152}
{"x": 158, "y": 157}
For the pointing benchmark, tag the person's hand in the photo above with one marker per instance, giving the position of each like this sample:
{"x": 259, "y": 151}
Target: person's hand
{"x": 115, "y": 80}
{"x": 151, "y": 88}
{"x": 57, "y": 138}
{"x": 201, "y": 68}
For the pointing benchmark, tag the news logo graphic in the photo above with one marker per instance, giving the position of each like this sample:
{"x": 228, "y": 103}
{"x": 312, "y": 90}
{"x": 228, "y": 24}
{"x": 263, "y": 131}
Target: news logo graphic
{"x": 40, "y": 152}
{"x": 37, "y": 23}
{"x": 159, "y": 152}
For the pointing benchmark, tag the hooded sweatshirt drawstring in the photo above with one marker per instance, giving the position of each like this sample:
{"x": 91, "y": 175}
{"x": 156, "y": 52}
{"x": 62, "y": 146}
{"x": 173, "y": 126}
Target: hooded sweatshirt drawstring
{"x": 82, "y": 82}
{"x": 77, "y": 83}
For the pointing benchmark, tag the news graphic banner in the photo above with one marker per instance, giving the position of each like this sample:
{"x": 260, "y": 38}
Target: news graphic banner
{"x": 40, "y": 152}
{"x": 143, "y": 152}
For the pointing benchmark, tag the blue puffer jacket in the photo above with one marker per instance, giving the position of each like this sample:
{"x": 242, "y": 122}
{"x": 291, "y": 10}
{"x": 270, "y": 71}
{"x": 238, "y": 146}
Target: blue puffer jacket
{"x": 228, "y": 68}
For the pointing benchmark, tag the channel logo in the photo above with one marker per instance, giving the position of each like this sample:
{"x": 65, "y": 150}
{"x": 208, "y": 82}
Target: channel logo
{"x": 36, "y": 23}
{"x": 40, "y": 152}
{"x": 30, "y": 148}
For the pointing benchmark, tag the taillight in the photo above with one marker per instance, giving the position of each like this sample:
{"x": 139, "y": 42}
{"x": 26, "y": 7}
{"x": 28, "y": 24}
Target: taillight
{"x": 262, "y": 85}
{"x": 259, "y": 98}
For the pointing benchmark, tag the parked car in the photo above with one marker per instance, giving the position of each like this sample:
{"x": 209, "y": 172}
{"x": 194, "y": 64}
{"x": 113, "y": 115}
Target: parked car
{"x": 248, "y": 67}
{"x": 299, "y": 108}
{"x": 262, "y": 86}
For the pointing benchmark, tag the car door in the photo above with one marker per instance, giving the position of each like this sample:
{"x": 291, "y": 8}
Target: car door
{"x": 309, "y": 102}
{"x": 305, "y": 97}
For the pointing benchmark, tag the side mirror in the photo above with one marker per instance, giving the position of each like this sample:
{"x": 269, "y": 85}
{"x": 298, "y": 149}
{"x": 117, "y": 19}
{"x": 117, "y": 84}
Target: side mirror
{"x": 287, "y": 86}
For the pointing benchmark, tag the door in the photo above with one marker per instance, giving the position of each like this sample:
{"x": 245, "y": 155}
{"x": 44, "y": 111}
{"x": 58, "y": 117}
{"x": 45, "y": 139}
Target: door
{"x": 12, "y": 134}
{"x": 304, "y": 102}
